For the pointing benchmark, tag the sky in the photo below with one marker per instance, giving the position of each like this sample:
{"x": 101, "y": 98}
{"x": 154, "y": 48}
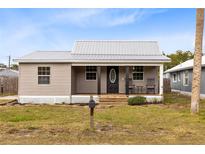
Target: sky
{"x": 26, "y": 30}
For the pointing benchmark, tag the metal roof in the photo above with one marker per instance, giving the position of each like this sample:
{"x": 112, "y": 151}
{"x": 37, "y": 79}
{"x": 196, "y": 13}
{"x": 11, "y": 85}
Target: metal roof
{"x": 47, "y": 55}
{"x": 102, "y": 51}
{"x": 117, "y": 47}
{"x": 65, "y": 56}
{"x": 185, "y": 65}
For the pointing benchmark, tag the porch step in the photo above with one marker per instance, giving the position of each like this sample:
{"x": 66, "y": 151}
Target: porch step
{"x": 113, "y": 99}
{"x": 112, "y": 103}
{"x": 113, "y": 96}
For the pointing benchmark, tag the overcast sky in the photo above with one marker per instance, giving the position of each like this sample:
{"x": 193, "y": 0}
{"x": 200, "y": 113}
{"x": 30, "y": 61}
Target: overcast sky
{"x": 26, "y": 30}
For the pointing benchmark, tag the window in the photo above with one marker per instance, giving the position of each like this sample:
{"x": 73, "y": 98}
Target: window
{"x": 138, "y": 73}
{"x": 43, "y": 75}
{"x": 112, "y": 75}
{"x": 91, "y": 72}
{"x": 179, "y": 77}
{"x": 174, "y": 77}
{"x": 186, "y": 78}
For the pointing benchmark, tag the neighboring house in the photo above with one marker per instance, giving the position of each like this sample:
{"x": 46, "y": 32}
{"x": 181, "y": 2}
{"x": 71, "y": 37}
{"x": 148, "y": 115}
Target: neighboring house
{"x": 1, "y": 69}
{"x": 9, "y": 73}
{"x": 8, "y": 81}
{"x": 181, "y": 77}
{"x": 2, "y": 66}
{"x": 92, "y": 68}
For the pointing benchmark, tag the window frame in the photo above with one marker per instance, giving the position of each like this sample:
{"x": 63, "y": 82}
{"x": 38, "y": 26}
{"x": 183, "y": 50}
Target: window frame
{"x": 184, "y": 78}
{"x": 175, "y": 79}
{"x": 45, "y": 75}
{"x": 133, "y": 71}
{"x": 90, "y": 72}
{"x": 179, "y": 76}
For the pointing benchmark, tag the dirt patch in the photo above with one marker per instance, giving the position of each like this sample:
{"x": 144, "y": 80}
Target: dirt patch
{"x": 104, "y": 127}
{"x": 9, "y": 102}
{"x": 21, "y": 132}
{"x": 55, "y": 131}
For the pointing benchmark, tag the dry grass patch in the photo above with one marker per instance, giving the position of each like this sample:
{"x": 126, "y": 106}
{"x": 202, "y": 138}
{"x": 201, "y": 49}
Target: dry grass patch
{"x": 4, "y": 101}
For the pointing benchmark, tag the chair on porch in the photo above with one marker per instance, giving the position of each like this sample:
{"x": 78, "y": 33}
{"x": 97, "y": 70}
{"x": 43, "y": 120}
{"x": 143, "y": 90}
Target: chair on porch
{"x": 131, "y": 86}
{"x": 150, "y": 87}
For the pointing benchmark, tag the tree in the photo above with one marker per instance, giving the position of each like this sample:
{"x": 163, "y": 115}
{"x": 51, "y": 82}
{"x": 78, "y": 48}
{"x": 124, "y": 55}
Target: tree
{"x": 2, "y": 65}
{"x": 14, "y": 67}
{"x": 178, "y": 58}
{"x": 196, "y": 80}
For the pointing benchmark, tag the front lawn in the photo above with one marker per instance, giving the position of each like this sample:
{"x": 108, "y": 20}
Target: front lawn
{"x": 168, "y": 123}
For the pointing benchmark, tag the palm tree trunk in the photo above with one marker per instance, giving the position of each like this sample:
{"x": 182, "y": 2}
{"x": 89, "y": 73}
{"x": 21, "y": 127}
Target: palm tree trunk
{"x": 196, "y": 80}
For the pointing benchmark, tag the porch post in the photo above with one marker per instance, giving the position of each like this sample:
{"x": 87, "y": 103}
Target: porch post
{"x": 161, "y": 79}
{"x": 98, "y": 80}
{"x": 127, "y": 80}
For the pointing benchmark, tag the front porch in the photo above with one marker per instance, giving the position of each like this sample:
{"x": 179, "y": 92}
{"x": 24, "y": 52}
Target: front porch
{"x": 112, "y": 99}
{"x": 146, "y": 80}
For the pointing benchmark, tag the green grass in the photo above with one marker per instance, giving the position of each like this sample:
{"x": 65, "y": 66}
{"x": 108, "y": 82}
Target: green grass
{"x": 168, "y": 123}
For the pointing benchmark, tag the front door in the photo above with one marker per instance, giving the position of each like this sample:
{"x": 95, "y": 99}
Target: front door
{"x": 112, "y": 79}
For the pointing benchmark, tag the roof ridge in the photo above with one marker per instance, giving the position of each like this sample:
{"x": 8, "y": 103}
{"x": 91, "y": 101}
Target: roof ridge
{"x": 116, "y": 41}
{"x": 73, "y": 53}
{"x": 51, "y": 51}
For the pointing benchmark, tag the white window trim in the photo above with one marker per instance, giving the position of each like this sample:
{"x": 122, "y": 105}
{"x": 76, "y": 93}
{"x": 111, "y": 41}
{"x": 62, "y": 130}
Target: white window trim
{"x": 175, "y": 80}
{"x": 184, "y": 78}
{"x": 137, "y": 72}
{"x": 90, "y": 72}
{"x": 44, "y": 75}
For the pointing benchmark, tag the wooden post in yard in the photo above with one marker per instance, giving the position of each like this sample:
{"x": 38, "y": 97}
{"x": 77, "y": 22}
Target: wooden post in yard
{"x": 92, "y": 118}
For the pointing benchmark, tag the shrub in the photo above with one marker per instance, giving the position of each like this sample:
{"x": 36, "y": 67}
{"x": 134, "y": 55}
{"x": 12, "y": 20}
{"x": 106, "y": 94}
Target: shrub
{"x": 138, "y": 100}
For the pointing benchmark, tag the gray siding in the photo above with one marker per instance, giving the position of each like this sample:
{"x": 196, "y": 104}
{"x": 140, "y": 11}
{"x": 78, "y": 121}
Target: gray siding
{"x": 82, "y": 86}
{"x": 73, "y": 81}
{"x": 121, "y": 79}
{"x": 179, "y": 84}
{"x": 203, "y": 81}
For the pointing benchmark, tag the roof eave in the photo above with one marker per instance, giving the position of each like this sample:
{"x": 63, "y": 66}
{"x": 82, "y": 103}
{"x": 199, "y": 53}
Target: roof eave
{"x": 95, "y": 61}
{"x": 180, "y": 69}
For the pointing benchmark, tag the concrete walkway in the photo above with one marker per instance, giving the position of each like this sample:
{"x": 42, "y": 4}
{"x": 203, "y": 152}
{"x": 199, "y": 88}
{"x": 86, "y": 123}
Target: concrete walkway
{"x": 9, "y": 97}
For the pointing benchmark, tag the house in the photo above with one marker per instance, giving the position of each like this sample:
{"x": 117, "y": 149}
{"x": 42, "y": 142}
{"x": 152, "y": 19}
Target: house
{"x": 9, "y": 73}
{"x": 93, "y": 67}
{"x": 2, "y": 66}
{"x": 181, "y": 77}
{"x": 8, "y": 81}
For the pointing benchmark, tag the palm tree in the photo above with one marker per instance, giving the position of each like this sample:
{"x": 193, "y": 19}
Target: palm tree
{"x": 196, "y": 81}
